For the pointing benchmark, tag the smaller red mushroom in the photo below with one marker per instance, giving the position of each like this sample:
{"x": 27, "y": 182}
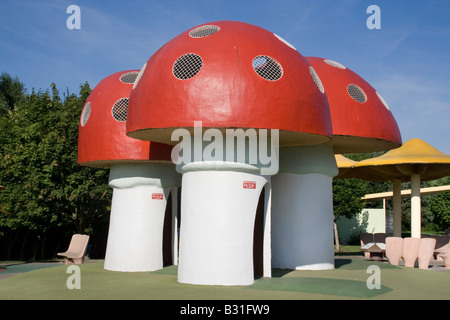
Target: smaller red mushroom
{"x": 302, "y": 236}
{"x": 139, "y": 170}
{"x": 362, "y": 120}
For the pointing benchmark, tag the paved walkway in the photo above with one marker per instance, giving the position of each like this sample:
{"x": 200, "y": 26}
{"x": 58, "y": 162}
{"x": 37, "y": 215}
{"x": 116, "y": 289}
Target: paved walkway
{"x": 434, "y": 265}
{"x": 438, "y": 266}
{"x": 7, "y": 270}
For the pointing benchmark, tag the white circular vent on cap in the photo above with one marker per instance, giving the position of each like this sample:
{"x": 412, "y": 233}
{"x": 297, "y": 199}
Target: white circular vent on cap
{"x": 383, "y": 101}
{"x": 267, "y": 68}
{"x": 316, "y": 79}
{"x": 85, "y": 114}
{"x": 334, "y": 64}
{"x": 356, "y": 93}
{"x": 129, "y": 77}
{"x": 187, "y": 66}
{"x": 204, "y": 31}
{"x": 120, "y": 109}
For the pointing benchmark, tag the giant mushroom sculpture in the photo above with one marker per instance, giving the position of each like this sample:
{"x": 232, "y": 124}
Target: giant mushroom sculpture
{"x": 141, "y": 175}
{"x": 237, "y": 80}
{"x": 302, "y": 212}
{"x": 414, "y": 161}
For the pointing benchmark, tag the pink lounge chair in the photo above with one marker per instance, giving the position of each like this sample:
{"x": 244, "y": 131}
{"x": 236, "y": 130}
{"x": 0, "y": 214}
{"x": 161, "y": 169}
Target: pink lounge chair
{"x": 411, "y": 248}
{"x": 426, "y": 250}
{"x": 446, "y": 257}
{"x": 394, "y": 250}
{"x": 442, "y": 244}
{"x": 77, "y": 249}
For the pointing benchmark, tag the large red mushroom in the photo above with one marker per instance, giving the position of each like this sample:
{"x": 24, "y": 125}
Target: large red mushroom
{"x": 228, "y": 74}
{"x": 212, "y": 84}
{"x": 138, "y": 170}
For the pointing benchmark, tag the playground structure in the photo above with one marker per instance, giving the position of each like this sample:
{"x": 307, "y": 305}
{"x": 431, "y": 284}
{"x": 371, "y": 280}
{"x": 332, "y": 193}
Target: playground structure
{"x": 248, "y": 128}
{"x": 142, "y": 176}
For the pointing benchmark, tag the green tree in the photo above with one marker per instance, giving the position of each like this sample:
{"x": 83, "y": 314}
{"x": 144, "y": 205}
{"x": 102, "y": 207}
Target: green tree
{"x": 347, "y": 202}
{"x": 11, "y": 93}
{"x": 46, "y": 189}
{"x": 348, "y": 193}
{"x": 438, "y": 205}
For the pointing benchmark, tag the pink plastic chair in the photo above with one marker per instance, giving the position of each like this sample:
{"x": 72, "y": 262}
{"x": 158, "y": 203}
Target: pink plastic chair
{"x": 426, "y": 250}
{"x": 411, "y": 248}
{"x": 446, "y": 257}
{"x": 77, "y": 249}
{"x": 394, "y": 250}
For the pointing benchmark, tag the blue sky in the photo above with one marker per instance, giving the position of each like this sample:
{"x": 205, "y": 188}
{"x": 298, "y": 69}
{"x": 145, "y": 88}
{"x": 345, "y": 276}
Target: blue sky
{"x": 407, "y": 60}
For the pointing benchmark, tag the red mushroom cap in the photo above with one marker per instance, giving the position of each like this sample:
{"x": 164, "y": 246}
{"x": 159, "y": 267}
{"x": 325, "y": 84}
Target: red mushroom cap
{"x": 361, "y": 119}
{"x": 229, "y": 75}
{"x": 102, "y": 138}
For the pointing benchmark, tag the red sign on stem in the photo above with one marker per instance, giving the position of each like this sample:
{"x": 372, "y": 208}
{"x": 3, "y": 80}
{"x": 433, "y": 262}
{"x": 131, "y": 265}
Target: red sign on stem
{"x": 249, "y": 185}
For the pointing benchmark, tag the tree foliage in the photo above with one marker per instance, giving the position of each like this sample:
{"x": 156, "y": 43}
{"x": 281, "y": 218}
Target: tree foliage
{"x": 11, "y": 93}
{"x": 347, "y": 193}
{"x": 439, "y": 205}
{"x": 45, "y": 188}
{"x": 347, "y": 201}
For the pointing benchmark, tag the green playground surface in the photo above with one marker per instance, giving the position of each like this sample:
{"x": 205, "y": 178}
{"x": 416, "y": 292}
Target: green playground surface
{"x": 352, "y": 279}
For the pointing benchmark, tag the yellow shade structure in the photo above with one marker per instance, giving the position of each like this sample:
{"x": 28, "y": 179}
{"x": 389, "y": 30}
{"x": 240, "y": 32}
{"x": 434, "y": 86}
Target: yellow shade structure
{"x": 2, "y": 187}
{"x": 345, "y": 166}
{"x": 414, "y": 161}
{"x": 414, "y": 157}
{"x": 347, "y": 169}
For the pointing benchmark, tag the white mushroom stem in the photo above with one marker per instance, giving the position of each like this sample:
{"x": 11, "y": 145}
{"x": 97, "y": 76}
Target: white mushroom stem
{"x": 135, "y": 238}
{"x": 175, "y": 223}
{"x": 302, "y": 209}
{"x": 218, "y": 210}
{"x": 415, "y": 206}
{"x": 217, "y": 227}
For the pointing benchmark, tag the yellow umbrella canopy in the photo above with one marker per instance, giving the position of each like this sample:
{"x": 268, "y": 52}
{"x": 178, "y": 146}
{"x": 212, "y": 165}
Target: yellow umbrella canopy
{"x": 347, "y": 169}
{"x": 2, "y": 187}
{"x": 414, "y": 161}
{"x": 345, "y": 166}
{"x": 414, "y": 157}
